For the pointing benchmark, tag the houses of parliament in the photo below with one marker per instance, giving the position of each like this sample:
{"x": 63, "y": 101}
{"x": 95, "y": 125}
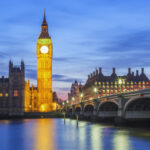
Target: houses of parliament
{"x": 16, "y": 94}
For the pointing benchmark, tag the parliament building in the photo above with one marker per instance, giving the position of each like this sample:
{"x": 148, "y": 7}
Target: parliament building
{"x": 16, "y": 95}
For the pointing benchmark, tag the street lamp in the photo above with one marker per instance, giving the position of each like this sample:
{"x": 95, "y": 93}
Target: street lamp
{"x": 81, "y": 95}
{"x": 73, "y": 98}
{"x": 120, "y": 82}
{"x": 95, "y": 91}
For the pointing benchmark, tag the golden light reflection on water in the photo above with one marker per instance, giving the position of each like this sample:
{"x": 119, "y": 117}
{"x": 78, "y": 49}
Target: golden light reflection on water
{"x": 44, "y": 134}
{"x": 121, "y": 140}
{"x": 82, "y": 135}
{"x": 96, "y": 137}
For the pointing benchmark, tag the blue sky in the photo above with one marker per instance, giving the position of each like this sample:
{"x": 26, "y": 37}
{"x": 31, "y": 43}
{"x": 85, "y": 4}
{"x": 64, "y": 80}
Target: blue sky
{"x": 86, "y": 34}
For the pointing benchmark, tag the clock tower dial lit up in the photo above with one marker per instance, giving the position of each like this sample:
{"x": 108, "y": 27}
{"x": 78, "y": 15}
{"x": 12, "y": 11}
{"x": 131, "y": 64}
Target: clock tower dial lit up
{"x": 44, "y": 49}
{"x": 44, "y": 69}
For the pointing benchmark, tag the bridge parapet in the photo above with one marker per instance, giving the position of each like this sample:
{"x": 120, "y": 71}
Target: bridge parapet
{"x": 115, "y": 105}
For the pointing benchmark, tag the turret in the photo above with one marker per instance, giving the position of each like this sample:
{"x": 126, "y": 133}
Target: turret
{"x": 142, "y": 70}
{"x": 96, "y": 72}
{"x": 88, "y": 77}
{"x": 114, "y": 71}
{"x": 143, "y": 77}
{"x": 100, "y": 70}
{"x": 113, "y": 75}
{"x": 10, "y": 66}
{"x": 129, "y": 71}
{"x": 137, "y": 73}
{"x": 22, "y": 66}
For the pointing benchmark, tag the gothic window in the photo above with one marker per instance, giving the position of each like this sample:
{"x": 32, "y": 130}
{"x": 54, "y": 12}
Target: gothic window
{"x": 16, "y": 93}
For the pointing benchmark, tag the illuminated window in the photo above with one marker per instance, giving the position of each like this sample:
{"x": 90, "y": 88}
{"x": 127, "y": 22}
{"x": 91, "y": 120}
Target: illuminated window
{"x": 6, "y": 94}
{"x": 16, "y": 93}
{"x": 1, "y": 94}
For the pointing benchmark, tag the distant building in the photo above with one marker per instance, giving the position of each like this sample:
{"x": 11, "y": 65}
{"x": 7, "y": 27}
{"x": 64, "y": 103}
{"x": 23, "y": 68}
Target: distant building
{"x": 55, "y": 97}
{"x": 98, "y": 84}
{"x": 16, "y": 95}
{"x": 12, "y": 91}
{"x": 75, "y": 91}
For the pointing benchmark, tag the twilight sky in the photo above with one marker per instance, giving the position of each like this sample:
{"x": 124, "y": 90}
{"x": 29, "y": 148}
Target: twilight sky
{"x": 86, "y": 34}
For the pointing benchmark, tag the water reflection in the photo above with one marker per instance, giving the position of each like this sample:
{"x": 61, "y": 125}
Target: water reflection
{"x": 96, "y": 137}
{"x": 121, "y": 140}
{"x": 44, "y": 135}
{"x": 53, "y": 134}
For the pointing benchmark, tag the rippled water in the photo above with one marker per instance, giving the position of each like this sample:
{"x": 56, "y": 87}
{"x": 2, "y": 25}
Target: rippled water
{"x": 53, "y": 134}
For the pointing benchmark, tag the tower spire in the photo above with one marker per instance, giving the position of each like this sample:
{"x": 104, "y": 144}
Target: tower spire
{"x": 44, "y": 29}
{"x": 44, "y": 23}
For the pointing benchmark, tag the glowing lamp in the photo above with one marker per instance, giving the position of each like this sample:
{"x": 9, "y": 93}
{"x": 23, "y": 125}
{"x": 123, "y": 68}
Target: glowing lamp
{"x": 95, "y": 90}
{"x": 81, "y": 95}
{"x": 120, "y": 81}
{"x": 42, "y": 108}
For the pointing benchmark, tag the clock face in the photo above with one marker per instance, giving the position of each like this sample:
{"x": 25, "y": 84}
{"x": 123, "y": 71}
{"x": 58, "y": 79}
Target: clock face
{"x": 44, "y": 49}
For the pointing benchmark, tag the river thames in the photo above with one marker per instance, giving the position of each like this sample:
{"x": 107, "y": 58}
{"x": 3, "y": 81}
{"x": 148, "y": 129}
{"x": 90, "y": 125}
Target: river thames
{"x": 53, "y": 134}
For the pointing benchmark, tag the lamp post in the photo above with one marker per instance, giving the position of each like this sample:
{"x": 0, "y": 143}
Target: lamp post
{"x": 81, "y": 95}
{"x": 73, "y": 99}
{"x": 120, "y": 82}
{"x": 95, "y": 91}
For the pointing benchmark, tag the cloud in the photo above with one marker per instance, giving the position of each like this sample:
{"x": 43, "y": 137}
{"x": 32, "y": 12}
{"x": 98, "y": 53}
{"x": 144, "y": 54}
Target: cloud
{"x": 63, "y": 78}
{"x": 31, "y": 74}
{"x": 131, "y": 42}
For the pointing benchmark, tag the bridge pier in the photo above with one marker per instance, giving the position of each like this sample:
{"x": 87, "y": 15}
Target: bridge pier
{"x": 120, "y": 120}
{"x": 81, "y": 116}
{"x": 95, "y": 112}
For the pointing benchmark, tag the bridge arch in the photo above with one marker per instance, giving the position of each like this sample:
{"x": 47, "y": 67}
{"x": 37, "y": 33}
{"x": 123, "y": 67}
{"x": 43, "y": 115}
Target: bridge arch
{"x": 78, "y": 109}
{"x": 108, "y": 106}
{"x": 89, "y": 108}
{"x": 70, "y": 110}
{"x": 137, "y": 107}
{"x": 108, "y": 109}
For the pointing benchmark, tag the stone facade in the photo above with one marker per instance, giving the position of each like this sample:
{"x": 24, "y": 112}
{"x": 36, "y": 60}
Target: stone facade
{"x": 12, "y": 91}
{"x": 75, "y": 91}
{"x": 98, "y": 84}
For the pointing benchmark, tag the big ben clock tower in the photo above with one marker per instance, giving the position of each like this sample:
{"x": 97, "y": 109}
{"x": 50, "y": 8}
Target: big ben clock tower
{"x": 44, "y": 69}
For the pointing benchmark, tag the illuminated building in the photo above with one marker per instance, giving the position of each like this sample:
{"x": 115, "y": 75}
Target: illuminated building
{"x": 16, "y": 95}
{"x": 75, "y": 91}
{"x": 113, "y": 84}
{"x": 27, "y": 102}
{"x": 41, "y": 97}
{"x": 44, "y": 69}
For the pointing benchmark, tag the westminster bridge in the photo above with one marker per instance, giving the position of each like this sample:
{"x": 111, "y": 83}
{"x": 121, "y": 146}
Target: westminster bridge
{"x": 133, "y": 105}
